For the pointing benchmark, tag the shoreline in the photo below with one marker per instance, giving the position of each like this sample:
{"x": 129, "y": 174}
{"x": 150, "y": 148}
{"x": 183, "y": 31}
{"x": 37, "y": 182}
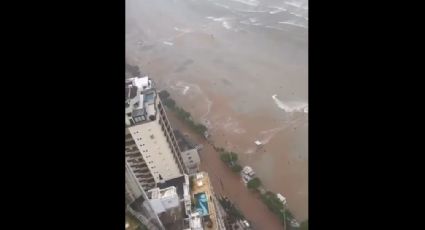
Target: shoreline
{"x": 282, "y": 168}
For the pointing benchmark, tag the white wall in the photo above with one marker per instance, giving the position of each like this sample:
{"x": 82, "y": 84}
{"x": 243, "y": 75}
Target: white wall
{"x": 152, "y": 143}
{"x": 165, "y": 203}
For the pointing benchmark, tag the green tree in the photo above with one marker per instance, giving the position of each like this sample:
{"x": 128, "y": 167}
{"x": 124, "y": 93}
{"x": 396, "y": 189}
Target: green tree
{"x": 236, "y": 168}
{"x": 229, "y": 157}
{"x": 170, "y": 103}
{"x": 201, "y": 128}
{"x": 225, "y": 157}
{"x": 233, "y": 156}
{"x": 164, "y": 94}
{"x": 254, "y": 183}
{"x": 304, "y": 225}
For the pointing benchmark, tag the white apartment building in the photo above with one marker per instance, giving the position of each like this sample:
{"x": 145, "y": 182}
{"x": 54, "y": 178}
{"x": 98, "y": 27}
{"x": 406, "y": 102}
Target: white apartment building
{"x": 152, "y": 154}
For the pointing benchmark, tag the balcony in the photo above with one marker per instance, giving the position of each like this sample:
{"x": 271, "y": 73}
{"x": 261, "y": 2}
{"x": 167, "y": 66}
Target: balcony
{"x": 144, "y": 177}
{"x": 132, "y": 155}
{"x": 128, "y": 143}
{"x": 139, "y": 166}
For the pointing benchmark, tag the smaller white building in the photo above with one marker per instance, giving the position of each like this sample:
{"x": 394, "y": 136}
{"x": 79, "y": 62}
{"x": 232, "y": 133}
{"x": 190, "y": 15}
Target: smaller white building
{"x": 194, "y": 222}
{"x": 162, "y": 200}
{"x": 191, "y": 160}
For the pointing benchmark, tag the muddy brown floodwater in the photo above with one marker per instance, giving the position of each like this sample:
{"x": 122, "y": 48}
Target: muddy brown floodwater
{"x": 227, "y": 183}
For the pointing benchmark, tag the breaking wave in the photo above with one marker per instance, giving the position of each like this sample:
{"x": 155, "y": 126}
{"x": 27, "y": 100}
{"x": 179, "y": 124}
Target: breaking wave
{"x": 294, "y": 24}
{"x": 168, "y": 43}
{"x": 248, "y": 2}
{"x": 290, "y": 107}
{"x": 223, "y": 21}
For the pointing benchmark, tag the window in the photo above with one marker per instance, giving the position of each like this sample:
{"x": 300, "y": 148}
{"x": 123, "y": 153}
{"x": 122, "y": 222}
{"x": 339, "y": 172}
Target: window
{"x": 190, "y": 158}
{"x": 191, "y": 161}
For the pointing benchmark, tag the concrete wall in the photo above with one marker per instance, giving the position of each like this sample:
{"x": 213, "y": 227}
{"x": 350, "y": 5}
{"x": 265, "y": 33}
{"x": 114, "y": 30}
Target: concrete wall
{"x": 165, "y": 203}
{"x": 132, "y": 186}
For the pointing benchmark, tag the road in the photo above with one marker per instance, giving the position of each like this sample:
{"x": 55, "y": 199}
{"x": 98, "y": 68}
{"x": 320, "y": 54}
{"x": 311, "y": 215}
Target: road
{"x": 227, "y": 183}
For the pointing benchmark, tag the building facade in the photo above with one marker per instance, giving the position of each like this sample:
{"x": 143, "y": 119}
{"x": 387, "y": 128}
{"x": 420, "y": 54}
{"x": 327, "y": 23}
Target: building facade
{"x": 189, "y": 153}
{"x": 151, "y": 151}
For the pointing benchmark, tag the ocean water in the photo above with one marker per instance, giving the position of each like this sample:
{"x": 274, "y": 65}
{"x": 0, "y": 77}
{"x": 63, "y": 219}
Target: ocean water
{"x": 241, "y": 68}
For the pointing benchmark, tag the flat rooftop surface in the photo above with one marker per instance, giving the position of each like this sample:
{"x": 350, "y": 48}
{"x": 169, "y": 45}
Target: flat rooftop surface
{"x": 207, "y": 190}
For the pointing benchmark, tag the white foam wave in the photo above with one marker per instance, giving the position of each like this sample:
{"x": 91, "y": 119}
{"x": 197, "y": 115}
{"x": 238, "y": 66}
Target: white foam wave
{"x": 183, "y": 87}
{"x": 226, "y": 25}
{"x": 223, "y": 21}
{"x": 290, "y": 107}
{"x": 215, "y": 19}
{"x": 266, "y": 135}
{"x": 277, "y": 10}
{"x": 297, "y": 15}
{"x": 186, "y": 88}
{"x": 252, "y": 11}
{"x": 230, "y": 125}
{"x": 168, "y": 43}
{"x": 294, "y": 24}
{"x": 221, "y": 5}
{"x": 248, "y": 2}
{"x": 297, "y": 5}
{"x": 182, "y": 30}
{"x": 275, "y": 28}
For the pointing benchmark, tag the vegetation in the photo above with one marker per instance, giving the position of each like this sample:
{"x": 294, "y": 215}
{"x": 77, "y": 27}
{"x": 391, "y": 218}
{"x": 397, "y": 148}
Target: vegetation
{"x": 254, "y": 183}
{"x": 181, "y": 113}
{"x": 170, "y": 103}
{"x": 233, "y": 213}
{"x": 304, "y": 225}
{"x": 163, "y": 94}
{"x": 275, "y": 205}
{"x": 229, "y": 157}
{"x": 236, "y": 168}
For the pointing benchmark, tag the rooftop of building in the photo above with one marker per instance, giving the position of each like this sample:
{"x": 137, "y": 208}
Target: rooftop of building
{"x": 140, "y": 96}
{"x": 173, "y": 219}
{"x": 178, "y": 183}
{"x": 202, "y": 185}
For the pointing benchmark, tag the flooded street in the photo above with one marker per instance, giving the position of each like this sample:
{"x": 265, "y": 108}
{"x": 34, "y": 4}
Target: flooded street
{"x": 227, "y": 183}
